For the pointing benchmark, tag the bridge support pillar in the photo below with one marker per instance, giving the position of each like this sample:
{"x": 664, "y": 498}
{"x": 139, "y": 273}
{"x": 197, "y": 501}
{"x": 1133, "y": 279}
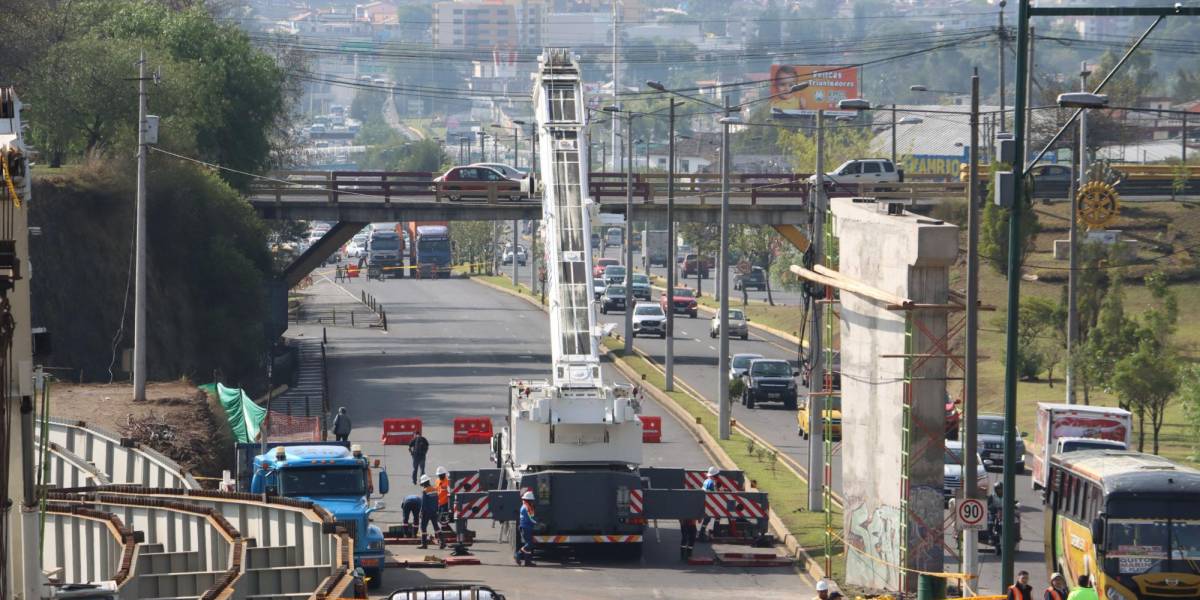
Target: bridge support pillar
{"x": 893, "y": 389}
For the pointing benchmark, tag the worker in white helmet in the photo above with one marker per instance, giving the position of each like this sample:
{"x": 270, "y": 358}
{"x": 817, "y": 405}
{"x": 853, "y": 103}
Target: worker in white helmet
{"x": 443, "y": 490}
{"x": 822, "y": 590}
{"x": 429, "y": 509}
{"x": 524, "y": 554}
{"x": 710, "y": 485}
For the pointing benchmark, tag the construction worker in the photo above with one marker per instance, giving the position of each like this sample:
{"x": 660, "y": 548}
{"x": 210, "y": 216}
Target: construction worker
{"x": 1085, "y": 591}
{"x": 524, "y": 554}
{"x": 341, "y": 425}
{"x": 687, "y": 538}
{"x": 822, "y": 590}
{"x": 1058, "y": 588}
{"x": 418, "y": 448}
{"x": 412, "y": 505}
{"x": 443, "y": 490}
{"x": 709, "y": 485}
{"x": 429, "y": 509}
{"x": 1021, "y": 590}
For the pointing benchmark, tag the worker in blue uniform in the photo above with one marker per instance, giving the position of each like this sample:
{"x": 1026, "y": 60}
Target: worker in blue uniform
{"x": 709, "y": 485}
{"x": 524, "y": 554}
{"x": 429, "y": 509}
{"x": 411, "y": 506}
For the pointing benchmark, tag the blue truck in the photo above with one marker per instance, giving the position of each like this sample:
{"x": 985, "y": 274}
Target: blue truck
{"x": 333, "y": 475}
{"x": 430, "y": 248}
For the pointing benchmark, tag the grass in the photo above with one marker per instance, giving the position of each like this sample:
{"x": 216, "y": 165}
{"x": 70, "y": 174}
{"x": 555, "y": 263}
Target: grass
{"x": 787, "y": 492}
{"x": 1147, "y": 220}
{"x": 782, "y": 318}
{"x": 505, "y": 282}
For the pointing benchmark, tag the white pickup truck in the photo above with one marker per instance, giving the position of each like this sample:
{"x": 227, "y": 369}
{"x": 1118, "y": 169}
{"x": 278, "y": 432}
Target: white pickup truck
{"x": 1072, "y": 427}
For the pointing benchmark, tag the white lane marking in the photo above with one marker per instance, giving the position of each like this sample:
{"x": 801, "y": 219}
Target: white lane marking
{"x": 710, "y": 347}
{"x": 697, "y": 340}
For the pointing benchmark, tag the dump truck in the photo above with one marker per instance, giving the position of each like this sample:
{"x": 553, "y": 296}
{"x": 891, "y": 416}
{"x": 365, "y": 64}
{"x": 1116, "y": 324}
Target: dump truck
{"x": 1069, "y": 427}
{"x": 429, "y": 248}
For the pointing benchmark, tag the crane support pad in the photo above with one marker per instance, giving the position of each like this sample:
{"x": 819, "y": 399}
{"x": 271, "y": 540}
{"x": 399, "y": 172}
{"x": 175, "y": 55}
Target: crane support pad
{"x": 697, "y": 504}
{"x": 474, "y": 480}
{"x": 676, "y": 478}
{"x": 497, "y": 505}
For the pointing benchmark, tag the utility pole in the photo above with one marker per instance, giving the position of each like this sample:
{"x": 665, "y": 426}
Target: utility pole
{"x": 670, "y": 370}
{"x": 469, "y": 151}
{"x": 1073, "y": 242}
{"x": 893, "y": 134}
{"x": 482, "y": 146}
{"x": 724, "y": 408}
{"x": 970, "y": 402}
{"x": 139, "y": 286}
{"x": 615, "y": 78}
{"x": 1029, "y": 87}
{"x": 516, "y": 241}
{"x": 629, "y": 232}
{"x": 1003, "y": 38}
{"x": 816, "y": 399}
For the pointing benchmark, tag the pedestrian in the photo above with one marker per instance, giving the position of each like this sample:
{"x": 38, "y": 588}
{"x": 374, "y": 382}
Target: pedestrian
{"x": 412, "y": 506}
{"x": 341, "y": 425}
{"x": 1021, "y": 590}
{"x": 524, "y": 554}
{"x": 1085, "y": 591}
{"x": 428, "y": 509}
{"x": 687, "y": 538}
{"x": 709, "y": 485}
{"x": 822, "y": 590}
{"x": 443, "y": 490}
{"x": 418, "y": 447}
{"x": 1058, "y": 588}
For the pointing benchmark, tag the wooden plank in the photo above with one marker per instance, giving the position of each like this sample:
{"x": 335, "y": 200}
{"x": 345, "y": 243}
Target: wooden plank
{"x": 835, "y": 279}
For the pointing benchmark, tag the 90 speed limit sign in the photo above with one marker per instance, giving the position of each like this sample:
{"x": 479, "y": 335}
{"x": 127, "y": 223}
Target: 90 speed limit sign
{"x": 972, "y": 514}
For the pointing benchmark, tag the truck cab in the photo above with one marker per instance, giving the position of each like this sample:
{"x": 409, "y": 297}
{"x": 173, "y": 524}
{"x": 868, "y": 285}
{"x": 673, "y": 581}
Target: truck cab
{"x": 337, "y": 479}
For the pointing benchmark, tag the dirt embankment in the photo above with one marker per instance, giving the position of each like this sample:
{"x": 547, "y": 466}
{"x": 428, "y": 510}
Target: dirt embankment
{"x": 176, "y": 419}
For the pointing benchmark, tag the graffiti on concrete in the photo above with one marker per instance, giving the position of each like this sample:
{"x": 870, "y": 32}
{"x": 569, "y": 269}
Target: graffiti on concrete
{"x": 875, "y": 533}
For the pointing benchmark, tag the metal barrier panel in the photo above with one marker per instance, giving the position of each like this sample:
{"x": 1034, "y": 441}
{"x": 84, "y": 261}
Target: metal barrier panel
{"x": 67, "y": 469}
{"x": 122, "y": 464}
{"x": 85, "y": 549}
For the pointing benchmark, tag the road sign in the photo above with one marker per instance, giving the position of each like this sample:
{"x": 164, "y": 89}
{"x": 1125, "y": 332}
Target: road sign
{"x": 972, "y": 514}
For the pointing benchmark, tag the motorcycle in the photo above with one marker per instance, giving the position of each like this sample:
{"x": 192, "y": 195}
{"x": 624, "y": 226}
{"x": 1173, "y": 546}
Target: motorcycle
{"x": 993, "y": 534}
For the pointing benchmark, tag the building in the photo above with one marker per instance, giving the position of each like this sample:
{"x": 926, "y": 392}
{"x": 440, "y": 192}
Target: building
{"x": 489, "y": 24}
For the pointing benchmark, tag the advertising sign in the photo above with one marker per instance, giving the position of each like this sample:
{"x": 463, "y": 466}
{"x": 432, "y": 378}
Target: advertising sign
{"x": 827, "y": 85}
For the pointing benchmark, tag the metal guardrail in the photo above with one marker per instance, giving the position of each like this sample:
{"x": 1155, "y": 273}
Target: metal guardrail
{"x": 121, "y": 460}
{"x": 86, "y": 545}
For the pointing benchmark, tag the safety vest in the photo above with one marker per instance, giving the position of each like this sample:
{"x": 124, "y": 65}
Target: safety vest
{"x": 1017, "y": 594}
{"x": 1057, "y": 595}
{"x": 443, "y": 490}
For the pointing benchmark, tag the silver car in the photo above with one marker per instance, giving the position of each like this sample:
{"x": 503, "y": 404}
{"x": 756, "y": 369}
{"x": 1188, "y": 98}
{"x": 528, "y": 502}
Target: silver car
{"x": 737, "y": 325}
{"x": 739, "y": 363}
{"x": 649, "y": 319}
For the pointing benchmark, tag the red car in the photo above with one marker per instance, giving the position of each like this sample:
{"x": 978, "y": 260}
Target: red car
{"x": 598, "y": 270}
{"x": 476, "y": 182}
{"x": 682, "y": 301}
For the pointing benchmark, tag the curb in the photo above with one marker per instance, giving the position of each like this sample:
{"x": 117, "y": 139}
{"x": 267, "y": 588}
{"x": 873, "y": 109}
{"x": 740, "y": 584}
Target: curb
{"x": 707, "y": 443}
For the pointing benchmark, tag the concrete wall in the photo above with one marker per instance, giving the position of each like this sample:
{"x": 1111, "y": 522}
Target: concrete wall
{"x": 908, "y": 256}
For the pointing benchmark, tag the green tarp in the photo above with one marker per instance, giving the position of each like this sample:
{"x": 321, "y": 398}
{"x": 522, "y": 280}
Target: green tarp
{"x": 244, "y": 416}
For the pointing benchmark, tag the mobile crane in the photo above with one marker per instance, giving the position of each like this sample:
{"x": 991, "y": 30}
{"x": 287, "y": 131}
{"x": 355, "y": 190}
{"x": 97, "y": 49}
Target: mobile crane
{"x": 574, "y": 440}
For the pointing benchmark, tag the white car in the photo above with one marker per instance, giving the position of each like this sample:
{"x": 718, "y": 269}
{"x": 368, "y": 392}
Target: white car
{"x": 740, "y": 363}
{"x": 598, "y": 286}
{"x": 354, "y": 249}
{"x": 649, "y": 319}
{"x": 737, "y": 325}
{"x": 952, "y": 474}
{"x": 863, "y": 170}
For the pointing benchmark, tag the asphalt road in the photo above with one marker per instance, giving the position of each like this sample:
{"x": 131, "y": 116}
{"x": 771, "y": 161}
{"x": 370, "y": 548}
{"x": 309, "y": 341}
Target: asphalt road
{"x": 452, "y": 347}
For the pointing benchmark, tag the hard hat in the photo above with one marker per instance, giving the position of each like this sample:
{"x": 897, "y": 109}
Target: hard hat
{"x": 423, "y": 480}
{"x": 822, "y": 586}
{"x": 1057, "y": 576}
{"x": 712, "y": 471}
{"x": 441, "y": 471}
{"x": 527, "y": 496}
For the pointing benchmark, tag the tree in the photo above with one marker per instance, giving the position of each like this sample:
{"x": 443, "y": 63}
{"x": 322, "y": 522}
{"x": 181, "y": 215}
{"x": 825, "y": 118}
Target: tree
{"x": 759, "y": 244}
{"x": 473, "y": 242}
{"x": 841, "y": 144}
{"x": 993, "y": 238}
{"x": 1114, "y": 336}
{"x": 1039, "y": 339}
{"x": 1189, "y": 394}
{"x": 1147, "y": 381}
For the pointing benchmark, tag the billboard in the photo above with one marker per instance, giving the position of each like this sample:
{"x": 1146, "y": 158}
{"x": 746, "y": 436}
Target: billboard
{"x": 827, "y": 85}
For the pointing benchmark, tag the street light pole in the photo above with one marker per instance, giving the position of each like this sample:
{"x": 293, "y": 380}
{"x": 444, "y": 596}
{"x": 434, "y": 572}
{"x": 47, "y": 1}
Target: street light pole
{"x": 139, "y": 294}
{"x": 723, "y": 269}
{"x": 670, "y": 370}
{"x": 1073, "y": 242}
{"x": 970, "y": 402}
{"x": 893, "y": 134}
{"x": 816, "y": 445}
{"x": 1002, "y": 35}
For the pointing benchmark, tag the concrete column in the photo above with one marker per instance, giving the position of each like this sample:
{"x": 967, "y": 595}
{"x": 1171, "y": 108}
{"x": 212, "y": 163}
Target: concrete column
{"x": 908, "y": 256}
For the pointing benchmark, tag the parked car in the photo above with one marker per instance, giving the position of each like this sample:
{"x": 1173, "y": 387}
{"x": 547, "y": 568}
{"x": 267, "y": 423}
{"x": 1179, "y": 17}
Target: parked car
{"x": 693, "y": 263}
{"x": 990, "y": 429}
{"x": 770, "y": 380}
{"x": 683, "y": 300}
{"x": 649, "y": 319}
{"x": 598, "y": 286}
{"x": 832, "y": 410}
{"x": 613, "y": 299}
{"x": 737, "y": 325}
{"x": 641, "y": 286}
{"x": 952, "y": 472}
{"x": 614, "y": 274}
{"x": 460, "y": 183}
{"x": 739, "y": 363}
{"x": 603, "y": 263}
{"x": 756, "y": 279}
{"x": 863, "y": 170}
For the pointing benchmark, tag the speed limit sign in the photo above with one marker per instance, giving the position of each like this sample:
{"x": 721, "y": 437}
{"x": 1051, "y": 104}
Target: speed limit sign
{"x": 971, "y": 514}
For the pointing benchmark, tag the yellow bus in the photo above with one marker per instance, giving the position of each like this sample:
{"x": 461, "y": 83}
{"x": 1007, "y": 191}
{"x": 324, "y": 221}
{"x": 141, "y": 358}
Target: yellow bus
{"x": 1127, "y": 520}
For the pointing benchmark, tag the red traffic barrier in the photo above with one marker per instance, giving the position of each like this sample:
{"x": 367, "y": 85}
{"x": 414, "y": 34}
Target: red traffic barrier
{"x": 651, "y": 429}
{"x": 472, "y": 430}
{"x": 398, "y": 432}
{"x": 352, "y": 271}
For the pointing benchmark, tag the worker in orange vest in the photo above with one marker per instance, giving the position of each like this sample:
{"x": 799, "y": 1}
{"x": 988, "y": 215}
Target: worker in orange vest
{"x": 1058, "y": 588}
{"x": 1021, "y": 590}
{"x": 443, "y": 490}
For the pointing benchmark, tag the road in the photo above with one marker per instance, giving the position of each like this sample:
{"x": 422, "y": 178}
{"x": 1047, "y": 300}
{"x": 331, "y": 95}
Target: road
{"x": 451, "y": 349}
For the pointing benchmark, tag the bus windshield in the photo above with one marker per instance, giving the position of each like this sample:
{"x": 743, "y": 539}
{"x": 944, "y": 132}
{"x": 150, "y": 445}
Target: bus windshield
{"x": 322, "y": 481}
{"x": 1153, "y": 535}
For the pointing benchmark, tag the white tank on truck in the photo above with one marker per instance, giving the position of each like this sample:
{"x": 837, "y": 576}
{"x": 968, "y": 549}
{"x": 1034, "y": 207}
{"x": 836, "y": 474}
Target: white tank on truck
{"x": 1072, "y": 427}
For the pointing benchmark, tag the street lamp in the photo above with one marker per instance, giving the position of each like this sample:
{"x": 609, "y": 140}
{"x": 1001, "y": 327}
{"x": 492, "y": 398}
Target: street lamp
{"x": 910, "y": 120}
{"x": 924, "y": 88}
{"x": 854, "y": 104}
{"x": 615, "y": 111}
{"x": 1082, "y": 100}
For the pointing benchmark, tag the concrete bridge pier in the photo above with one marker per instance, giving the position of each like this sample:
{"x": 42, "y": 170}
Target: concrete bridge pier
{"x": 893, "y": 386}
